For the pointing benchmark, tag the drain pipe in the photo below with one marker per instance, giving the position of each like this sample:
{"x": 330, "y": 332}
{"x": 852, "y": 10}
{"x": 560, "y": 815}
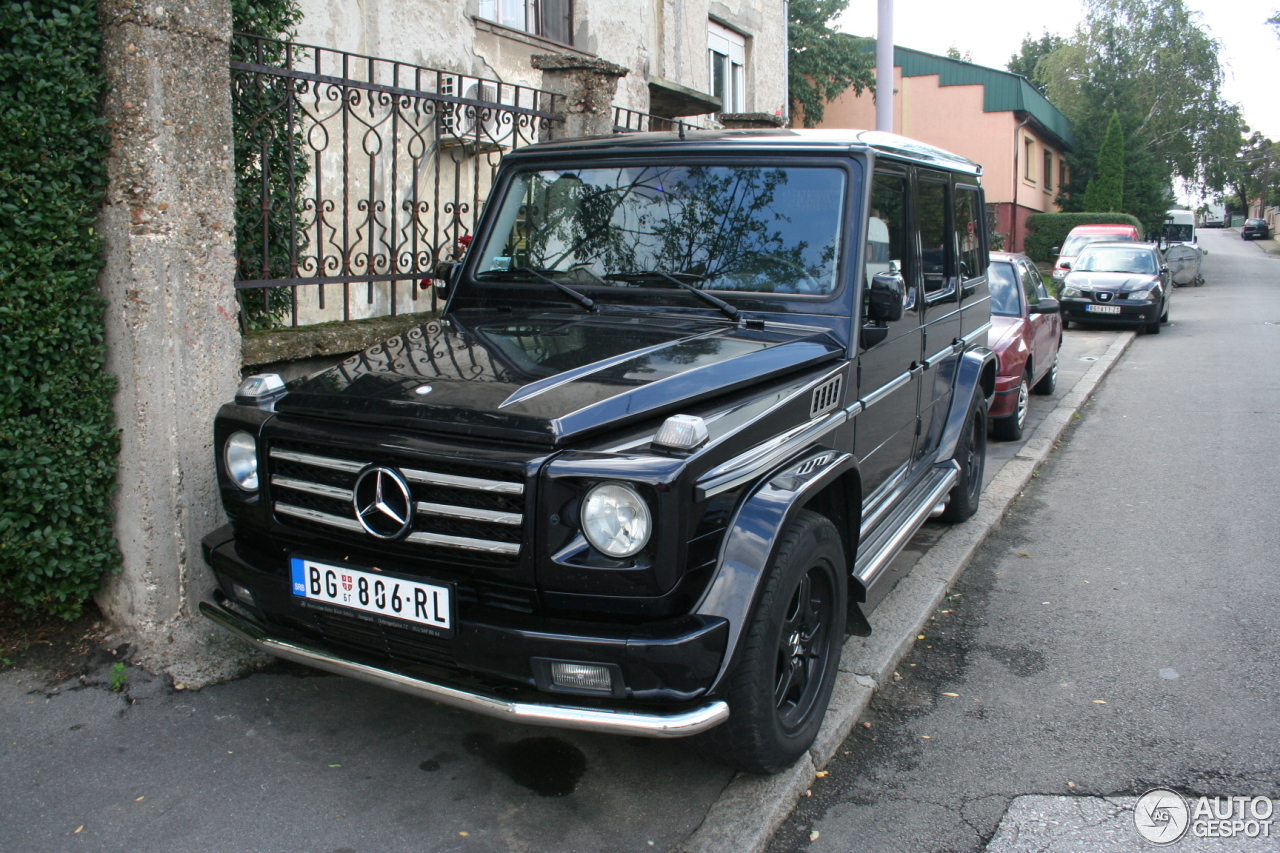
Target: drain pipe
{"x": 1013, "y": 211}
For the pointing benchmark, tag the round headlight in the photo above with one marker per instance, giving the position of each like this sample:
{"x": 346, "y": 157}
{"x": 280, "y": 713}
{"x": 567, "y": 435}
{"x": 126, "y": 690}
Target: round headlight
{"x": 616, "y": 520}
{"x": 241, "y": 456}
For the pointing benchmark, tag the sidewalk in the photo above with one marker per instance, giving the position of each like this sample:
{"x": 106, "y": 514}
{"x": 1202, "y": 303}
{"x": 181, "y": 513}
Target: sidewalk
{"x": 293, "y": 760}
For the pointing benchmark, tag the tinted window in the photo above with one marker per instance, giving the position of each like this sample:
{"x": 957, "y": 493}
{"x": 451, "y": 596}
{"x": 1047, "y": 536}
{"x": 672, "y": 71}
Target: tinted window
{"x": 887, "y": 224}
{"x": 969, "y": 232}
{"x": 748, "y": 228}
{"x": 1031, "y": 283}
{"x": 1116, "y": 260}
{"x": 935, "y": 236}
{"x": 1004, "y": 289}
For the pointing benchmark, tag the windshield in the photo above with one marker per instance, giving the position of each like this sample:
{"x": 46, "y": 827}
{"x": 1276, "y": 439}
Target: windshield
{"x": 1004, "y": 290}
{"x": 763, "y": 229}
{"x": 1177, "y": 233}
{"x": 1116, "y": 260}
{"x": 1075, "y": 243}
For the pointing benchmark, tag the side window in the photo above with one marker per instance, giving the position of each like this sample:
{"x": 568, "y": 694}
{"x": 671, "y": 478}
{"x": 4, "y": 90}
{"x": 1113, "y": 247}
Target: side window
{"x": 936, "y": 241}
{"x": 969, "y": 231}
{"x": 886, "y": 227}
{"x": 1031, "y": 284}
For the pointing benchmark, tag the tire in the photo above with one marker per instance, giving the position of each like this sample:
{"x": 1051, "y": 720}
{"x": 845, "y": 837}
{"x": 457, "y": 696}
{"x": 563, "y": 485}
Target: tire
{"x": 1153, "y": 328}
{"x": 1164, "y": 318}
{"x": 779, "y": 690}
{"x": 1049, "y": 381}
{"x": 1066, "y": 324}
{"x": 971, "y": 453}
{"x": 1009, "y": 428}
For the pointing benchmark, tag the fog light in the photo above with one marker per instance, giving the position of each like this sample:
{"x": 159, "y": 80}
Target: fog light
{"x": 241, "y": 592}
{"x": 581, "y": 676}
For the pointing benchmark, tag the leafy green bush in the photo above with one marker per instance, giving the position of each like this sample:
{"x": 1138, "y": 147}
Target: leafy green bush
{"x": 1046, "y": 230}
{"x": 58, "y": 443}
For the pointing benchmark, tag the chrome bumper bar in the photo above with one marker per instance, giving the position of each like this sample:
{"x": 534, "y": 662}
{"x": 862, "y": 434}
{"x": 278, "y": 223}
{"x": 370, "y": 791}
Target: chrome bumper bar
{"x": 557, "y": 716}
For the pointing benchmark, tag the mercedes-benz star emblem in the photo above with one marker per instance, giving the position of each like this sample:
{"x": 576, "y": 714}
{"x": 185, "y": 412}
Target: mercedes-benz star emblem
{"x": 383, "y": 504}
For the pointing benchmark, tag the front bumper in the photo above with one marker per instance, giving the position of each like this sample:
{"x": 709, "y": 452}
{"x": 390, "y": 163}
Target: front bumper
{"x": 1006, "y": 396}
{"x": 610, "y": 721}
{"x": 1130, "y": 313}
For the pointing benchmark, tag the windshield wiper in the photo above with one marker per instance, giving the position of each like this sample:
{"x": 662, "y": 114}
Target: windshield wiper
{"x": 728, "y": 310}
{"x": 583, "y": 300}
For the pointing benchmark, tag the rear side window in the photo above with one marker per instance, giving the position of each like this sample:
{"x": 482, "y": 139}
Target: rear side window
{"x": 969, "y": 232}
{"x": 935, "y": 238}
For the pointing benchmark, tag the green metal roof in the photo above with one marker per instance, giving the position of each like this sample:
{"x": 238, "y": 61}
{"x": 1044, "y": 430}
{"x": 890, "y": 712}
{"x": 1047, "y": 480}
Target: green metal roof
{"x": 1003, "y": 91}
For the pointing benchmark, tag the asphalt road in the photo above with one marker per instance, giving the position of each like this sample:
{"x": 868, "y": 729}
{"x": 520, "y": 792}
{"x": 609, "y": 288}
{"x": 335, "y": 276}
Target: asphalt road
{"x": 1118, "y": 633}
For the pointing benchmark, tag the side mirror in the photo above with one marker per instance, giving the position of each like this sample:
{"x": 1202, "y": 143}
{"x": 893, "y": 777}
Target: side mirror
{"x": 1046, "y": 305}
{"x": 1066, "y": 265}
{"x": 886, "y": 298}
{"x": 1056, "y": 250}
{"x": 443, "y": 277}
{"x": 872, "y": 335}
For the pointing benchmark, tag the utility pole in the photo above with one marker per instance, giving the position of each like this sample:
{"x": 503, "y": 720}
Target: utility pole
{"x": 884, "y": 66}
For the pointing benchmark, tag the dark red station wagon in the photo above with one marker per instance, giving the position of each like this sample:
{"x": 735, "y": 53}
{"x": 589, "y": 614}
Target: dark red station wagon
{"x": 1026, "y": 332}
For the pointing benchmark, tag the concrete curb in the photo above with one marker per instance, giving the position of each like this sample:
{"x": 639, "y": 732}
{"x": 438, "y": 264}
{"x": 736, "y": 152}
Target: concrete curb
{"x": 751, "y": 808}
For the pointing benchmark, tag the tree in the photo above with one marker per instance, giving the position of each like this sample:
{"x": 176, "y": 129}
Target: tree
{"x": 823, "y": 62}
{"x": 1274, "y": 21}
{"x": 1033, "y": 50}
{"x": 954, "y": 53}
{"x": 1152, "y": 63}
{"x": 1259, "y": 160}
{"x": 1105, "y": 193}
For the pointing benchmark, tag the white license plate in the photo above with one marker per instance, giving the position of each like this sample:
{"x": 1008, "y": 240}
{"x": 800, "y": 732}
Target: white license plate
{"x": 381, "y": 597}
{"x": 1103, "y": 309}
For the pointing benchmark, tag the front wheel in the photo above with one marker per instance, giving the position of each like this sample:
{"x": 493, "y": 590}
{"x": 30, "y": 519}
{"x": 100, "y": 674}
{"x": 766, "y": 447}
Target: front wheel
{"x": 971, "y": 453}
{"x": 1153, "y": 328}
{"x": 779, "y": 692}
{"x": 1009, "y": 428}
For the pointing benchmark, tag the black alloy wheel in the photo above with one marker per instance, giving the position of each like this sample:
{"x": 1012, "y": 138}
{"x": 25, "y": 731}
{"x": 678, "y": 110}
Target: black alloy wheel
{"x": 971, "y": 454}
{"x": 779, "y": 690}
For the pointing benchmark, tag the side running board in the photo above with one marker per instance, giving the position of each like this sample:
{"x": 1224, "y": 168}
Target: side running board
{"x": 893, "y": 532}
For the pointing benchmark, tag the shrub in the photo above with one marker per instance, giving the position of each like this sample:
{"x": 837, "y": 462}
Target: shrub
{"x": 1046, "y": 230}
{"x": 58, "y": 443}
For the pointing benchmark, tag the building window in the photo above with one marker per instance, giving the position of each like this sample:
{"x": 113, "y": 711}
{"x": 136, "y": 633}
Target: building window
{"x": 1062, "y": 173}
{"x": 1031, "y": 158}
{"x": 727, "y": 54}
{"x": 1048, "y": 170}
{"x": 551, "y": 19}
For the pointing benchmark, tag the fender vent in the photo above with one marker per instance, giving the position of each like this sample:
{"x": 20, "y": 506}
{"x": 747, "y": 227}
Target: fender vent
{"x": 826, "y": 396}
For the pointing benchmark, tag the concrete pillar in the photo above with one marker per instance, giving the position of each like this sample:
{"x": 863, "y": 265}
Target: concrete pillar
{"x": 172, "y": 338}
{"x": 588, "y": 85}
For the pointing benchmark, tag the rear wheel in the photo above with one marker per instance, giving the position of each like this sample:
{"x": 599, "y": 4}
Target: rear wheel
{"x": 778, "y": 693}
{"x": 1009, "y": 428}
{"x": 1049, "y": 381}
{"x": 971, "y": 453}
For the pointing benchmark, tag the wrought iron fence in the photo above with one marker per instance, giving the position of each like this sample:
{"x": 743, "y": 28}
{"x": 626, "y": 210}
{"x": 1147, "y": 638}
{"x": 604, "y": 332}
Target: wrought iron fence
{"x": 632, "y": 121}
{"x": 354, "y": 170}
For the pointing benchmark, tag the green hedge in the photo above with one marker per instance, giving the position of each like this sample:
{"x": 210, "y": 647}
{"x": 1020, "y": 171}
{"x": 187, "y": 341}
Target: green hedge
{"x": 58, "y": 443}
{"x": 1046, "y": 230}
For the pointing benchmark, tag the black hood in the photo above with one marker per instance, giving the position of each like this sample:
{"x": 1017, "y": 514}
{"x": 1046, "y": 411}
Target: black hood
{"x": 1110, "y": 280}
{"x": 551, "y": 377}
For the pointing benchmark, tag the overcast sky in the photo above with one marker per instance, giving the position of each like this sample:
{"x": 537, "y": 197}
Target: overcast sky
{"x": 992, "y": 30}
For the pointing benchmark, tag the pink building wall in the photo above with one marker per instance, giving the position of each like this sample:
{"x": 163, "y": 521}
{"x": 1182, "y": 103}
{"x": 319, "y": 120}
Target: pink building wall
{"x": 951, "y": 117}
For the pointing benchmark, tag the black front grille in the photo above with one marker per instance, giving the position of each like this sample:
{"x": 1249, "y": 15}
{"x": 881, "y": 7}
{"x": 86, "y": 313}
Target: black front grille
{"x": 311, "y": 490}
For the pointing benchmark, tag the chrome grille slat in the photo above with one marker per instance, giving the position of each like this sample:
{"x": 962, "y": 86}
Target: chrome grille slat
{"x": 464, "y": 542}
{"x": 471, "y": 513}
{"x": 458, "y": 482}
{"x": 313, "y": 488}
{"x": 321, "y": 517}
{"x": 318, "y": 461}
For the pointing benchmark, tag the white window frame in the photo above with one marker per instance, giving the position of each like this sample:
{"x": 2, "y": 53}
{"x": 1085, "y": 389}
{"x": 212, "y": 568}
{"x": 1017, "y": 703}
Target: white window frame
{"x": 729, "y": 48}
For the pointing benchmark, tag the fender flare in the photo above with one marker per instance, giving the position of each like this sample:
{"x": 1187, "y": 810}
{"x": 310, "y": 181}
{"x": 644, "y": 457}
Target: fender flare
{"x": 752, "y": 538}
{"x": 975, "y": 375}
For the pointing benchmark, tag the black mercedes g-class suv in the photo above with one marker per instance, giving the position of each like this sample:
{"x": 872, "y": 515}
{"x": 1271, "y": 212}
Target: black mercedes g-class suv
{"x": 687, "y": 399}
